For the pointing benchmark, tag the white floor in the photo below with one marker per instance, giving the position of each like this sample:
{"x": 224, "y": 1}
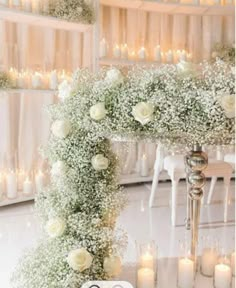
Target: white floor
{"x": 19, "y": 229}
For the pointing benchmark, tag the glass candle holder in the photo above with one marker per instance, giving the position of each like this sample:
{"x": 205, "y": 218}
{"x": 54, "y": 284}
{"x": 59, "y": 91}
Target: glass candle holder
{"x": 147, "y": 265}
{"x": 223, "y": 273}
{"x": 209, "y": 257}
{"x": 186, "y": 267}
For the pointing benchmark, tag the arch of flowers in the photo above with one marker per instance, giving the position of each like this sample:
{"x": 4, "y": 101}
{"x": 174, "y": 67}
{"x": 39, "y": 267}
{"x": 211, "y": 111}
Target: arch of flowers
{"x": 79, "y": 209}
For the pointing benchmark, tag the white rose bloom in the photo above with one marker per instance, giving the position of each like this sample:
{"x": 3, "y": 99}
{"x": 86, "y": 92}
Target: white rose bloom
{"x": 80, "y": 259}
{"x": 64, "y": 90}
{"x": 55, "y": 227}
{"x": 143, "y": 112}
{"x": 100, "y": 162}
{"x": 58, "y": 168}
{"x": 112, "y": 265}
{"x": 98, "y": 111}
{"x": 228, "y": 104}
{"x": 61, "y": 129}
{"x": 114, "y": 77}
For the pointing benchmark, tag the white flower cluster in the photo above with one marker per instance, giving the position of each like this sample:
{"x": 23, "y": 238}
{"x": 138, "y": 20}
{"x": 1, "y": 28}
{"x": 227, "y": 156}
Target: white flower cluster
{"x": 79, "y": 212}
{"x": 5, "y": 80}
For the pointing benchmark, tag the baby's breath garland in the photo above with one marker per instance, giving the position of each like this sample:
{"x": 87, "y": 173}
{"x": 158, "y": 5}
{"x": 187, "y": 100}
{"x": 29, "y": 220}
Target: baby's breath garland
{"x": 5, "y": 80}
{"x": 79, "y": 209}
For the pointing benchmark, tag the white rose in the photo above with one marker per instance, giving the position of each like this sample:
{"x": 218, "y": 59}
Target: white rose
{"x": 80, "y": 259}
{"x": 186, "y": 67}
{"x": 64, "y": 90}
{"x": 100, "y": 162}
{"x": 61, "y": 129}
{"x": 112, "y": 265}
{"x": 58, "y": 168}
{"x": 143, "y": 112}
{"x": 114, "y": 77}
{"x": 98, "y": 111}
{"x": 228, "y": 104}
{"x": 55, "y": 227}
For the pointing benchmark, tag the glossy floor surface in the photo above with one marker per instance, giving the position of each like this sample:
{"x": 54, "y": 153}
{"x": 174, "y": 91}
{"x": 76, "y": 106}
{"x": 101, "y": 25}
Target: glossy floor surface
{"x": 19, "y": 228}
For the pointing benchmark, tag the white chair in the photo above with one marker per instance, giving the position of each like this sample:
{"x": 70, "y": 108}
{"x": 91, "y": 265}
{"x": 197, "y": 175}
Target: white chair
{"x": 175, "y": 167}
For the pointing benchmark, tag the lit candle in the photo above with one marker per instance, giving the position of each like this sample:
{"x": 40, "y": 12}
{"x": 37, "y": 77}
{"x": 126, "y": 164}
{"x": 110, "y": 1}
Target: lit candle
{"x": 116, "y": 51}
{"x": 1, "y": 187}
{"x": 183, "y": 56}
{"x": 233, "y": 263}
{"x": 20, "y": 82}
{"x": 185, "y": 273}
{"x": 53, "y": 83}
{"x": 132, "y": 55}
{"x": 124, "y": 51}
{"x": 27, "y": 5}
{"x": 27, "y": 187}
{"x": 103, "y": 48}
{"x": 223, "y": 276}
{"x": 208, "y": 261}
{"x": 11, "y": 184}
{"x": 147, "y": 261}
{"x": 169, "y": 56}
{"x": 157, "y": 53}
{"x": 144, "y": 166}
{"x": 20, "y": 179}
{"x": 13, "y": 76}
{"x": 146, "y": 278}
{"x": 36, "y": 81}
{"x": 142, "y": 53}
{"x": 39, "y": 181}
{"x": 189, "y": 57}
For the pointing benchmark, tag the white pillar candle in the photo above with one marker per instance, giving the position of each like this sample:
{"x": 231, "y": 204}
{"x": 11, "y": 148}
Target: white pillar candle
{"x": 27, "y": 187}
{"x": 183, "y": 56}
{"x": 20, "y": 179}
{"x": 233, "y": 263}
{"x": 142, "y": 53}
{"x": 185, "y": 273}
{"x": 144, "y": 166}
{"x": 208, "y": 261}
{"x": 103, "y": 48}
{"x": 13, "y": 76}
{"x": 27, "y": 5}
{"x": 124, "y": 51}
{"x": 146, "y": 278}
{"x": 1, "y": 187}
{"x": 37, "y": 81}
{"x": 11, "y": 184}
{"x": 132, "y": 55}
{"x": 39, "y": 181}
{"x": 45, "y": 7}
{"x": 169, "y": 56}
{"x": 223, "y": 276}
{"x": 20, "y": 82}
{"x": 157, "y": 53}
{"x": 147, "y": 260}
{"x": 116, "y": 51}
{"x": 53, "y": 83}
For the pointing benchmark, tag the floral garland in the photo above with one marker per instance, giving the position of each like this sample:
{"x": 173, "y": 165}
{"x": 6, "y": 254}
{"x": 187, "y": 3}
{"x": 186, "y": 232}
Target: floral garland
{"x": 80, "y": 207}
{"x": 72, "y": 10}
{"x": 5, "y": 80}
{"x": 224, "y": 52}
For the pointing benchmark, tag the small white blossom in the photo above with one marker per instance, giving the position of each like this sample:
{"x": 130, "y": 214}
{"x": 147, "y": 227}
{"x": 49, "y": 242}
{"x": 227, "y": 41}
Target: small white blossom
{"x": 114, "y": 77}
{"x": 100, "y": 162}
{"x": 143, "y": 112}
{"x": 58, "y": 168}
{"x": 64, "y": 90}
{"x": 80, "y": 259}
{"x": 61, "y": 128}
{"x": 98, "y": 111}
{"x": 55, "y": 227}
{"x": 228, "y": 104}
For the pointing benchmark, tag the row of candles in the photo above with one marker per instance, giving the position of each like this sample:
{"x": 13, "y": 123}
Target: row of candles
{"x": 35, "y": 6}
{"x": 157, "y": 54}
{"x": 26, "y": 79}
{"x": 222, "y": 268}
{"x": 12, "y": 182}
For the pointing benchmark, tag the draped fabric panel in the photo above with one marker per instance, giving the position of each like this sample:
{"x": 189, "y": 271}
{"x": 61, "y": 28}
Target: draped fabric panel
{"x": 30, "y": 47}
{"x": 195, "y": 34}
